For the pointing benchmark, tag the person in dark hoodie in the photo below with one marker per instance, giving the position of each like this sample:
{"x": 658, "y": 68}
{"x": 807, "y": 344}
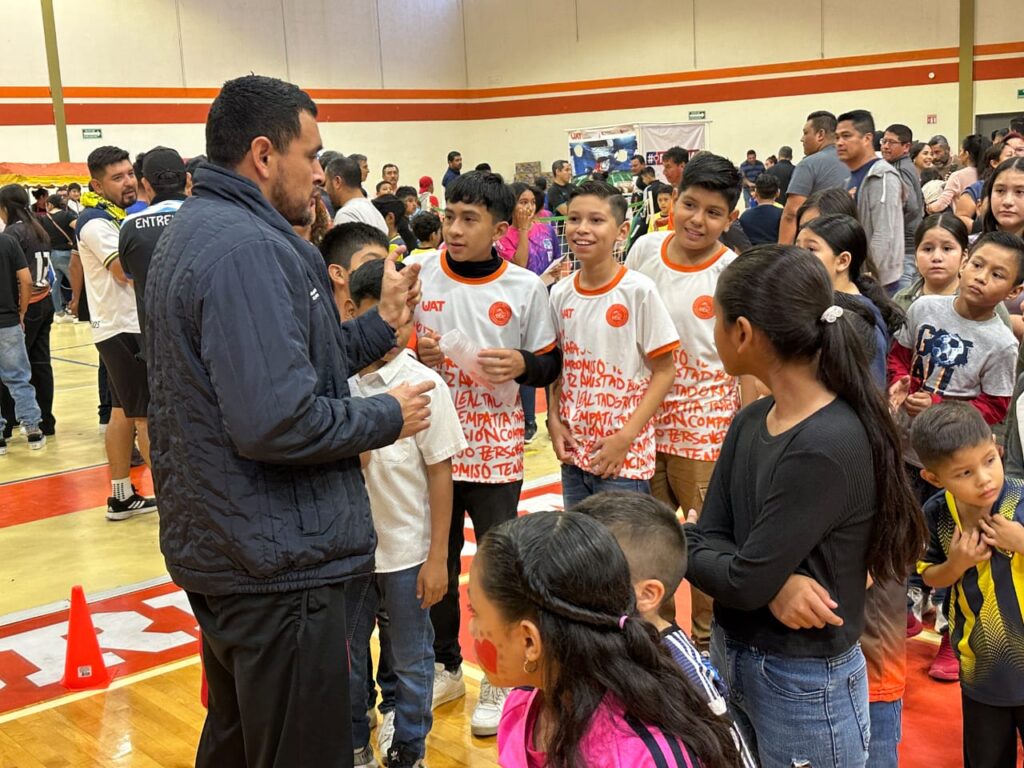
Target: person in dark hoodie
{"x": 896, "y": 143}
{"x": 256, "y": 439}
{"x": 876, "y": 187}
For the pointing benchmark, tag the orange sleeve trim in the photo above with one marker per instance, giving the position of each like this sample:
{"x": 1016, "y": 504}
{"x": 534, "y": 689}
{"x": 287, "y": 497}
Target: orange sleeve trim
{"x": 548, "y": 348}
{"x": 671, "y": 347}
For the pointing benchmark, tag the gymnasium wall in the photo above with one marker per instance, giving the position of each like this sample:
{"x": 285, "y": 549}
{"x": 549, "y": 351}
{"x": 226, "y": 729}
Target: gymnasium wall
{"x": 407, "y": 80}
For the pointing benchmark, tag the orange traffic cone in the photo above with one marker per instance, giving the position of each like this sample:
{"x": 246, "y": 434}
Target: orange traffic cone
{"x": 83, "y": 664}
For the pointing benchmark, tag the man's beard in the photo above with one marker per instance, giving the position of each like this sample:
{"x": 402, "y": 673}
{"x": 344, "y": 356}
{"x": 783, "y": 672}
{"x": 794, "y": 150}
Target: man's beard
{"x": 296, "y": 212}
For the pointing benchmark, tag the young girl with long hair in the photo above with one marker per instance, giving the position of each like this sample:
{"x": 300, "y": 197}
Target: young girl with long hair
{"x": 807, "y": 500}
{"x": 602, "y": 690}
{"x": 1004, "y": 195}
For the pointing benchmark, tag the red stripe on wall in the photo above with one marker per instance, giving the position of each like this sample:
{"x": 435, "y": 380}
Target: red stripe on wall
{"x": 26, "y": 114}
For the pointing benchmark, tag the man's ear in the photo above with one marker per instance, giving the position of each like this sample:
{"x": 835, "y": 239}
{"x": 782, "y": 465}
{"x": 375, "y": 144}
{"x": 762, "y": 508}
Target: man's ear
{"x": 261, "y": 149}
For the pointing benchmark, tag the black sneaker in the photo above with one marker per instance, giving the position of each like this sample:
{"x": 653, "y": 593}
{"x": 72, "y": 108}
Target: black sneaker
{"x": 403, "y": 756}
{"x": 3, "y": 446}
{"x": 135, "y": 504}
{"x": 36, "y": 438}
{"x": 531, "y": 432}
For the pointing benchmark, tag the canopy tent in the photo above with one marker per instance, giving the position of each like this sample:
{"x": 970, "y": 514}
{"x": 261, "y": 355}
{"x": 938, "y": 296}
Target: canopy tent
{"x": 43, "y": 174}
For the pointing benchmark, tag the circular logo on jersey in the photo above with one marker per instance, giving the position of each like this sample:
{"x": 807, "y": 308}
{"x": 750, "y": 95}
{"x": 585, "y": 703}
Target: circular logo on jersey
{"x": 704, "y": 307}
{"x": 500, "y": 313}
{"x": 617, "y": 315}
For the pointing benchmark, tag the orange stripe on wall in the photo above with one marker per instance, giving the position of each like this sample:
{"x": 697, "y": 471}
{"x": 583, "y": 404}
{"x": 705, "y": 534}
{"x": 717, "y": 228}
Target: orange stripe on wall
{"x": 26, "y": 114}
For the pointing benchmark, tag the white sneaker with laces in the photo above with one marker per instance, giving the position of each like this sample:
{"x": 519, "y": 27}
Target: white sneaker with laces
{"x": 941, "y": 622}
{"x": 448, "y": 686}
{"x": 385, "y": 735}
{"x": 917, "y": 602}
{"x": 487, "y": 714}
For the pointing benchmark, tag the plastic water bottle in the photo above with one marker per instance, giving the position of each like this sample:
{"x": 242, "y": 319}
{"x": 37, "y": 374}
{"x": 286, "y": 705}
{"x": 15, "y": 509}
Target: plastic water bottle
{"x": 465, "y": 353}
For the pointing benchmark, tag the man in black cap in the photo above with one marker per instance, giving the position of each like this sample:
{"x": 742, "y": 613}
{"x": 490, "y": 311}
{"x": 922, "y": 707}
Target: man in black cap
{"x": 164, "y": 180}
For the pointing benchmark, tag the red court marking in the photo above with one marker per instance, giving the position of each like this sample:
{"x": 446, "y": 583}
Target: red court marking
{"x": 25, "y": 501}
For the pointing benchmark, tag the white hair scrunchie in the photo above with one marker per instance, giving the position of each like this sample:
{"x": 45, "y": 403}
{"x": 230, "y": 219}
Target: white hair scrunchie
{"x": 831, "y": 314}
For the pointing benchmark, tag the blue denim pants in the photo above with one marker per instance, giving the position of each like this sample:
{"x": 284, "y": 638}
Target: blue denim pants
{"x": 578, "y": 485}
{"x": 15, "y": 373}
{"x": 797, "y": 709}
{"x": 61, "y": 263}
{"x": 412, "y": 654}
{"x": 886, "y": 733}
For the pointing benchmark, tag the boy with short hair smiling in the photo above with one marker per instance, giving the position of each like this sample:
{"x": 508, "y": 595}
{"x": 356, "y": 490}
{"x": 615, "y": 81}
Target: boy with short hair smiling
{"x": 617, "y": 339}
{"x": 503, "y": 309}
{"x": 977, "y": 549}
{"x": 685, "y": 265}
{"x": 654, "y": 543}
{"x": 345, "y": 248}
{"x": 410, "y": 489}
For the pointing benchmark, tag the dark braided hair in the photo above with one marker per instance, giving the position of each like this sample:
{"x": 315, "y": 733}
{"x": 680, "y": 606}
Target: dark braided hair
{"x": 565, "y": 572}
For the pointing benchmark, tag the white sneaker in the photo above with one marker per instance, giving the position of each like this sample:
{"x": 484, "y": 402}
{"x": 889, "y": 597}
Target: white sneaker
{"x": 941, "y": 622}
{"x": 448, "y": 686}
{"x": 917, "y": 602}
{"x": 487, "y": 714}
{"x": 386, "y": 735}
{"x": 63, "y": 317}
{"x": 363, "y": 758}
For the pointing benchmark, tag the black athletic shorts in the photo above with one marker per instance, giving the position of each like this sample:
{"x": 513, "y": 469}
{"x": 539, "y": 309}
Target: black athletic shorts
{"x": 126, "y": 373}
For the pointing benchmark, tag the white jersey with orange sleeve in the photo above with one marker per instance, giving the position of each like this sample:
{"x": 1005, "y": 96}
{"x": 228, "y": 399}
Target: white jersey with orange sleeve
{"x": 695, "y": 416}
{"x": 508, "y": 309}
{"x": 606, "y": 336}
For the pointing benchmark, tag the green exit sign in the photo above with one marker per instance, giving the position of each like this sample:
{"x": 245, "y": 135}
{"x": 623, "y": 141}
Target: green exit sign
{"x": 1020, "y": 93}
{"x": 92, "y": 133}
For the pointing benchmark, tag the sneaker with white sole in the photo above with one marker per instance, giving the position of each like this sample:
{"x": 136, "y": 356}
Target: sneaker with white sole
{"x": 448, "y": 686}
{"x": 918, "y": 600}
{"x": 64, "y": 317}
{"x": 941, "y": 622}
{"x": 363, "y": 758}
{"x": 136, "y": 504}
{"x": 386, "y": 735}
{"x": 36, "y": 438}
{"x": 3, "y": 446}
{"x": 487, "y": 714}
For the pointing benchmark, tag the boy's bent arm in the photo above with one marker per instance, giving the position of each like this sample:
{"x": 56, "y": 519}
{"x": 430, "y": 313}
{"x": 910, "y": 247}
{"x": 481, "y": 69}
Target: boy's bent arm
{"x": 943, "y": 575}
{"x": 432, "y": 582}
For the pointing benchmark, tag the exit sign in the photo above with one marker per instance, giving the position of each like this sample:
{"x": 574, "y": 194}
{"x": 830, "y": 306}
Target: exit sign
{"x": 1020, "y": 93}
{"x": 933, "y": 119}
{"x": 92, "y": 133}
{"x": 698, "y": 115}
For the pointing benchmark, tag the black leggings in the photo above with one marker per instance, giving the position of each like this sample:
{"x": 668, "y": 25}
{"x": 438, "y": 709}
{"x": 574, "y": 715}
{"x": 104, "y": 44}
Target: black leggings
{"x": 990, "y": 734}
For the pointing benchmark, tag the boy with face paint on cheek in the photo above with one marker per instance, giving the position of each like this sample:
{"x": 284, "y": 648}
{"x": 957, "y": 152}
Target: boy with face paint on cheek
{"x": 538, "y": 607}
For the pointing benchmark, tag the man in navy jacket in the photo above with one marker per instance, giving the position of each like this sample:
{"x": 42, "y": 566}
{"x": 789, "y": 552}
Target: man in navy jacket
{"x": 255, "y": 437}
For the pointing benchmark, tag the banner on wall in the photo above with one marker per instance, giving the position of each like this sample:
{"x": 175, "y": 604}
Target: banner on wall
{"x": 655, "y": 139}
{"x": 602, "y": 149}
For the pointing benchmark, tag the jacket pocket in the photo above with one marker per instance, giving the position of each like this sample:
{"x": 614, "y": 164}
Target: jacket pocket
{"x": 307, "y": 507}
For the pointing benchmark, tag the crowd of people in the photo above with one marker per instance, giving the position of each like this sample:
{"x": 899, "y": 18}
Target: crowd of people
{"x": 326, "y": 381}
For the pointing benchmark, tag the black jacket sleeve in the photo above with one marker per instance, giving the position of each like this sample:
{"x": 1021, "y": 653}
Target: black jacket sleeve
{"x": 255, "y": 340}
{"x": 541, "y": 370}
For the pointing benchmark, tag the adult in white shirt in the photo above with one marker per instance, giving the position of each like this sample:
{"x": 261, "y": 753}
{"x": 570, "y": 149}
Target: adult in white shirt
{"x": 342, "y": 180}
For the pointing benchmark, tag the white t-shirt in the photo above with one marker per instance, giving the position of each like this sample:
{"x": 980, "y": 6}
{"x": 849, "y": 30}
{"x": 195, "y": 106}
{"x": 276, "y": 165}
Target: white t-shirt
{"x": 509, "y": 310}
{"x": 695, "y": 416}
{"x": 112, "y": 304}
{"x": 396, "y": 476}
{"x": 606, "y": 336}
{"x": 361, "y": 209}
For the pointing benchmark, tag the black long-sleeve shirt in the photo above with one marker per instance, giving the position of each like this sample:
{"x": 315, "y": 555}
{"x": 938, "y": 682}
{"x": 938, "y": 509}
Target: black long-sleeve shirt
{"x": 799, "y": 502}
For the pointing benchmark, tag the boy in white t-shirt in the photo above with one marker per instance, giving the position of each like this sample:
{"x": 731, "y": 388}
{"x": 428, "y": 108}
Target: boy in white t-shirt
{"x": 410, "y": 489}
{"x": 617, "y": 340}
{"x": 684, "y": 265}
{"x": 503, "y": 309}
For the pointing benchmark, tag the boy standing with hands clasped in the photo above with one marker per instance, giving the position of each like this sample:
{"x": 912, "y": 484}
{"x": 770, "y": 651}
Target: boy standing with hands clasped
{"x": 617, "y": 340}
{"x": 977, "y": 549}
{"x": 503, "y": 310}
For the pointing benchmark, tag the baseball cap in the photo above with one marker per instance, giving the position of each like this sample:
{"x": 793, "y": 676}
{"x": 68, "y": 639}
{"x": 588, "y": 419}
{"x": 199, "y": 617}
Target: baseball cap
{"x": 163, "y": 166}
{"x": 425, "y": 182}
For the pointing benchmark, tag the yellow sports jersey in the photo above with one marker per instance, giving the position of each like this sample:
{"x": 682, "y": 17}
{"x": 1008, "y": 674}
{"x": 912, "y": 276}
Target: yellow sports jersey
{"x": 986, "y": 605}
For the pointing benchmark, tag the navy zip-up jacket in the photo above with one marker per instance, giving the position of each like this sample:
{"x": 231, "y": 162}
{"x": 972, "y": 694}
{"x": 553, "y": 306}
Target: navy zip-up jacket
{"x": 255, "y": 438}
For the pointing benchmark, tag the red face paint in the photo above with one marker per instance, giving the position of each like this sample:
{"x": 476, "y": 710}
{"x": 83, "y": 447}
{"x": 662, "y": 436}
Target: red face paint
{"x": 487, "y": 654}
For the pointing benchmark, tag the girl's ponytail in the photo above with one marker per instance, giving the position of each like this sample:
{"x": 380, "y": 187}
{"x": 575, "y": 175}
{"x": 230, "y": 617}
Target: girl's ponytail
{"x": 771, "y": 277}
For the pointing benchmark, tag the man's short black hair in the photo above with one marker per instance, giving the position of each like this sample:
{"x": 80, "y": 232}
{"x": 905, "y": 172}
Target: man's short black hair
{"x": 193, "y": 164}
{"x": 862, "y": 120}
{"x": 366, "y": 282}
{"x": 486, "y": 189}
{"x": 785, "y": 153}
{"x": 938, "y": 140}
{"x": 677, "y": 155}
{"x": 102, "y": 157}
{"x": 343, "y": 240}
{"x": 902, "y": 132}
{"x": 715, "y": 174}
{"x": 384, "y": 168}
{"x": 751, "y": 152}
{"x": 766, "y": 186}
{"x": 557, "y": 165}
{"x": 604, "y": 191}
{"x": 639, "y": 157}
{"x": 452, "y": 155}
{"x": 346, "y": 169}
{"x": 252, "y": 106}
{"x": 648, "y": 532}
{"x": 945, "y": 428}
{"x": 424, "y": 224}
{"x": 483, "y": 167}
{"x": 326, "y": 156}
{"x": 823, "y": 121}
{"x": 1009, "y": 241}
{"x": 389, "y": 204}
{"x": 403, "y": 192}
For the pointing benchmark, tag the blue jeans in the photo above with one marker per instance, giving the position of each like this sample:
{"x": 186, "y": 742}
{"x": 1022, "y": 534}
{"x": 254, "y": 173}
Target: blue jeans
{"x": 578, "y": 485}
{"x": 797, "y": 708}
{"x": 529, "y": 397}
{"x": 910, "y": 273}
{"x": 886, "y": 732}
{"x": 412, "y": 654}
{"x": 61, "y": 263}
{"x": 15, "y": 373}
